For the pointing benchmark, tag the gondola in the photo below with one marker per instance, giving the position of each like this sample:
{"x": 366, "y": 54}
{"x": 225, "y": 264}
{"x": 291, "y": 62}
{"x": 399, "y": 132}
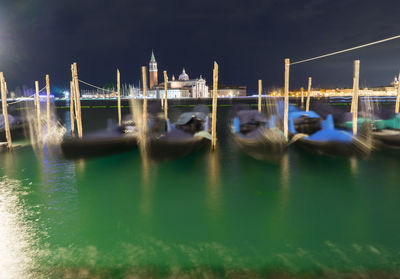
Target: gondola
{"x": 18, "y": 127}
{"x": 258, "y": 136}
{"x": 384, "y": 127}
{"x": 385, "y": 132}
{"x": 191, "y": 132}
{"x": 309, "y": 130}
{"x": 110, "y": 141}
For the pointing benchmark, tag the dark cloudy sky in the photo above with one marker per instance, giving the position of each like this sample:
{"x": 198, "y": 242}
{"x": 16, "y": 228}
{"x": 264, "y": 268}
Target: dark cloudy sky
{"x": 249, "y": 39}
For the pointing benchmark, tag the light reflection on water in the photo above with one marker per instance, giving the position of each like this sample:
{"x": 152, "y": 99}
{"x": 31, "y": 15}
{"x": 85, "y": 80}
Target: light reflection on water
{"x": 214, "y": 185}
{"x": 16, "y": 235}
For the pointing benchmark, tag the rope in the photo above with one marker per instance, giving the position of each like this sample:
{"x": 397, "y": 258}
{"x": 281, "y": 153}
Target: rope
{"x": 84, "y": 82}
{"x": 41, "y": 90}
{"x": 346, "y": 50}
{"x": 16, "y": 102}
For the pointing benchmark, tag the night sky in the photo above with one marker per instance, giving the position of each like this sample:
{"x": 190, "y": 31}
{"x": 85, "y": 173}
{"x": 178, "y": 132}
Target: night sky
{"x": 249, "y": 40}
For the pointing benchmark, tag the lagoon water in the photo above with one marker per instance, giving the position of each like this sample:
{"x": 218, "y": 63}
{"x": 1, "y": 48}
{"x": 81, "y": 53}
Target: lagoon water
{"x": 222, "y": 214}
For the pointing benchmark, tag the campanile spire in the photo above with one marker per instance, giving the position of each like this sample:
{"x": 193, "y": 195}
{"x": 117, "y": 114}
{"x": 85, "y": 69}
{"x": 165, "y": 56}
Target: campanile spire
{"x": 153, "y": 72}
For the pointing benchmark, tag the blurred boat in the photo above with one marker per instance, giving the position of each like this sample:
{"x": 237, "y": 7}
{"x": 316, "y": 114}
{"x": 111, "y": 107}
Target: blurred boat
{"x": 191, "y": 132}
{"x": 258, "y": 136}
{"x": 18, "y": 127}
{"x": 110, "y": 141}
{"x": 385, "y": 132}
{"x": 309, "y": 130}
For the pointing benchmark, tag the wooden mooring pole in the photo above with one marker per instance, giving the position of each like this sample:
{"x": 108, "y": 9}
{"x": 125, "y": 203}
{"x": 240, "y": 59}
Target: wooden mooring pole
{"x": 5, "y": 112}
{"x": 74, "y": 96}
{"x": 71, "y": 107}
{"x": 302, "y": 97}
{"x": 259, "y": 94}
{"x": 214, "y": 108}
{"x": 144, "y": 81}
{"x": 286, "y": 108}
{"x": 355, "y": 94}
{"x": 353, "y": 99}
{"x": 396, "y": 109}
{"x": 308, "y": 94}
{"x": 119, "y": 97}
{"x": 77, "y": 98}
{"x": 165, "y": 95}
{"x": 38, "y": 116}
{"x": 48, "y": 102}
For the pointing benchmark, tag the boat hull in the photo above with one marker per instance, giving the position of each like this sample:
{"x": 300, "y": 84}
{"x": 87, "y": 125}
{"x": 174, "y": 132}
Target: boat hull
{"x": 334, "y": 148}
{"x": 17, "y": 132}
{"x": 74, "y": 148}
{"x": 261, "y": 147}
{"x": 164, "y": 148}
{"x": 387, "y": 138}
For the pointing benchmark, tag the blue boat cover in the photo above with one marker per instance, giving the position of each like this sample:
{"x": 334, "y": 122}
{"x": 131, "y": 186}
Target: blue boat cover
{"x": 327, "y": 132}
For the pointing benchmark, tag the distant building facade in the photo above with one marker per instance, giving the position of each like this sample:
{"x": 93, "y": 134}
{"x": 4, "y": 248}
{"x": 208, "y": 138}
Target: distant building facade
{"x": 230, "y": 91}
{"x": 184, "y": 87}
{"x": 188, "y": 88}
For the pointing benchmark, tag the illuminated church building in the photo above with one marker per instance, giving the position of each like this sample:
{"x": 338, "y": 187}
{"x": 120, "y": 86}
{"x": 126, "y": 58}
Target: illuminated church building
{"x": 183, "y": 87}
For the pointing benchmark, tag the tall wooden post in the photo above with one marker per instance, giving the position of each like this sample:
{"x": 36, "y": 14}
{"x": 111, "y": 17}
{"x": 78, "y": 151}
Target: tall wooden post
{"x": 5, "y": 112}
{"x": 74, "y": 96}
{"x": 77, "y": 99}
{"x": 71, "y": 107}
{"x": 119, "y": 97}
{"x": 396, "y": 110}
{"x": 353, "y": 99}
{"x": 286, "y": 108}
{"x": 355, "y": 94}
{"x": 214, "y": 108}
{"x": 302, "y": 97}
{"x": 259, "y": 94}
{"x": 308, "y": 94}
{"x": 38, "y": 117}
{"x": 165, "y": 95}
{"x": 48, "y": 102}
{"x": 144, "y": 81}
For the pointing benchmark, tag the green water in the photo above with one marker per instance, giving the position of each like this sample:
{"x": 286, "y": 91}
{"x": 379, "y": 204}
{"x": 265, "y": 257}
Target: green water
{"x": 206, "y": 215}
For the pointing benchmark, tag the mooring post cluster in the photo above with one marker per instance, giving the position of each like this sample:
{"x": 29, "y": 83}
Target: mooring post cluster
{"x": 166, "y": 96}
{"x": 76, "y": 98}
{"x": 144, "y": 81}
{"x": 308, "y": 94}
{"x": 38, "y": 114}
{"x": 286, "y": 101}
{"x": 119, "y": 97}
{"x": 355, "y": 94}
{"x": 259, "y": 94}
{"x": 71, "y": 107}
{"x": 48, "y": 102}
{"x": 396, "y": 109}
{"x": 214, "y": 108}
{"x": 5, "y": 112}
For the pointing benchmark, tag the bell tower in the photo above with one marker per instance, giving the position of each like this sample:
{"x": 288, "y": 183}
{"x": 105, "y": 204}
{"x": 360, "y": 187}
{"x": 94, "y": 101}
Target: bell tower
{"x": 153, "y": 72}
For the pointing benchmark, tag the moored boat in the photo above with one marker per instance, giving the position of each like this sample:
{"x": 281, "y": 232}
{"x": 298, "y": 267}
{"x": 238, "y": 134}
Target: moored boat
{"x": 18, "y": 127}
{"x": 191, "y": 132}
{"x": 258, "y": 136}
{"x": 309, "y": 130}
{"x": 385, "y": 132}
{"x": 110, "y": 141}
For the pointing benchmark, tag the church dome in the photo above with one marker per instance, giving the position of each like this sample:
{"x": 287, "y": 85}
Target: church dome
{"x": 183, "y": 76}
